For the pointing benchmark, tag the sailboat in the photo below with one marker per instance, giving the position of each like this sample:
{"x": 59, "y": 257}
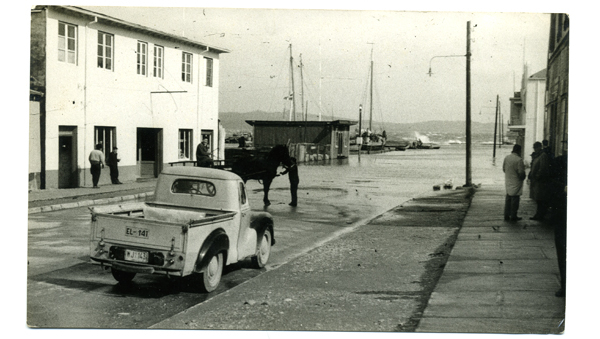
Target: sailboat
{"x": 371, "y": 140}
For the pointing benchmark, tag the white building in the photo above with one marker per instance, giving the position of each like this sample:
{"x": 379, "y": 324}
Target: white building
{"x": 527, "y": 112}
{"x": 108, "y": 81}
{"x": 533, "y": 96}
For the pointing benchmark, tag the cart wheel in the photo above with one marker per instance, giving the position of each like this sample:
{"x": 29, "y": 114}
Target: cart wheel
{"x": 264, "y": 251}
{"x": 122, "y": 276}
{"x": 212, "y": 272}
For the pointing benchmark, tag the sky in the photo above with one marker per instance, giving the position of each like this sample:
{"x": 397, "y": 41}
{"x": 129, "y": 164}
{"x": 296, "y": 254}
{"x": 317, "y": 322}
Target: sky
{"x": 335, "y": 47}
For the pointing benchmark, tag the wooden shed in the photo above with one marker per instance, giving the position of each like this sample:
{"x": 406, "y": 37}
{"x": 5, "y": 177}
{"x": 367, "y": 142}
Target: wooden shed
{"x": 307, "y": 140}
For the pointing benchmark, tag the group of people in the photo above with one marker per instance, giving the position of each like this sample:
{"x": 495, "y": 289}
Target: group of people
{"x": 542, "y": 178}
{"x": 547, "y": 187}
{"x": 97, "y": 163}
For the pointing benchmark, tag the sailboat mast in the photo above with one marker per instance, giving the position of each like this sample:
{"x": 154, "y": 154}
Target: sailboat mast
{"x": 302, "y": 87}
{"x": 293, "y": 102}
{"x": 371, "y": 94}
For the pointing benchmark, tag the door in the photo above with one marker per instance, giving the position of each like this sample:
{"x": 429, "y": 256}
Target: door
{"x": 340, "y": 143}
{"x": 247, "y": 236}
{"x": 149, "y": 152}
{"x": 67, "y": 157}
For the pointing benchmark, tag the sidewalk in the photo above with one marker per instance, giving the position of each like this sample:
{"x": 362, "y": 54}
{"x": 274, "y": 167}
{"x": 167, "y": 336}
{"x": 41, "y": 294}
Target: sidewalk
{"x": 500, "y": 277}
{"x": 57, "y": 199}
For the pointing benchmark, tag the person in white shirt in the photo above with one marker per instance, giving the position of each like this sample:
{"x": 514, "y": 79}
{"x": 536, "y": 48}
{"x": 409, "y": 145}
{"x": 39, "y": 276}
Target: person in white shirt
{"x": 97, "y": 163}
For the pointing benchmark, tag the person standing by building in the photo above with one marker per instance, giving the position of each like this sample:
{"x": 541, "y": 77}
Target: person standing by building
{"x": 292, "y": 172}
{"x": 112, "y": 162}
{"x": 539, "y": 175}
{"x": 203, "y": 155}
{"x": 514, "y": 174}
{"x": 96, "y": 159}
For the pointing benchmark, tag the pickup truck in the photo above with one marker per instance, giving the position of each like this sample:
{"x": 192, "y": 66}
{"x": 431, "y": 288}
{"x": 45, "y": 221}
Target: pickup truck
{"x": 199, "y": 221}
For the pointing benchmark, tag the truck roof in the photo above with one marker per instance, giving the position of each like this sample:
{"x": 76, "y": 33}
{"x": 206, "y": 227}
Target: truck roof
{"x": 202, "y": 172}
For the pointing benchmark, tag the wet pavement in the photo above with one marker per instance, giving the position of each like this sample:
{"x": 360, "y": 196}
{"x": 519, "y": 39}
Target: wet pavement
{"x": 486, "y": 275}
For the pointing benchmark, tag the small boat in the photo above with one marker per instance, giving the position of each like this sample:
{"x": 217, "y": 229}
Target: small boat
{"x": 397, "y": 145}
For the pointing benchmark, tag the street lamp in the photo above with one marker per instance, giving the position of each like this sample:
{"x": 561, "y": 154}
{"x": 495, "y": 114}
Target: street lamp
{"x": 468, "y": 101}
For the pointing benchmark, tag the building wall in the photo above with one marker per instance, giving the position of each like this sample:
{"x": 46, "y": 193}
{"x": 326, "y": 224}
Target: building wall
{"x": 281, "y": 135}
{"x": 86, "y": 96}
{"x": 557, "y": 97}
{"x": 37, "y": 54}
{"x": 534, "y": 116}
{"x": 35, "y": 166}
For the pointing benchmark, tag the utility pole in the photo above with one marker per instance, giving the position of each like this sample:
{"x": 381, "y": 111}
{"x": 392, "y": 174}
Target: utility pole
{"x": 468, "y": 182}
{"x": 496, "y": 124}
{"x": 468, "y": 118}
{"x": 293, "y": 109}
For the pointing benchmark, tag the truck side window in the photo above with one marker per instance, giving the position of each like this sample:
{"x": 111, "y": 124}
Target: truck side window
{"x": 242, "y": 194}
{"x": 198, "y": 187}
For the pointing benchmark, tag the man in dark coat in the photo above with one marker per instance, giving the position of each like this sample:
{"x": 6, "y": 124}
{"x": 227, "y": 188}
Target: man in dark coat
{"x": 292, "y": 172}
{"x": 203, "y": 155}
{"x": 112, "y": 162}
{"x": 540, "y": 180}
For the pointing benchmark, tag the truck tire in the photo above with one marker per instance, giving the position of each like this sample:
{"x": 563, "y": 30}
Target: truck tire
{"x": 263, "y": 250}
{"x": 122, "y": 276}
{"x": 212, "y": 272}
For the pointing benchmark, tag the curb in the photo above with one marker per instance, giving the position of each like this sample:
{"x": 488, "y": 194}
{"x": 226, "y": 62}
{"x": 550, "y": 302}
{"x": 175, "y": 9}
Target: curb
{"x": 58, "y": 207}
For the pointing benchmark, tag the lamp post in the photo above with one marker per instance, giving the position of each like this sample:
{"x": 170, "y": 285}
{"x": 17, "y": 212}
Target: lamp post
{"x": 468, "y": 182}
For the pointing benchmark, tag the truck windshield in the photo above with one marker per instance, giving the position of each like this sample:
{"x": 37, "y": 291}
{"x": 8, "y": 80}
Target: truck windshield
{"x": 199, "y": 187}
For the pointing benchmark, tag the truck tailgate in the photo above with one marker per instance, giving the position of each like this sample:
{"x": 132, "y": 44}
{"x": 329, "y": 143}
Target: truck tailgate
{"x": 140, "y": 232}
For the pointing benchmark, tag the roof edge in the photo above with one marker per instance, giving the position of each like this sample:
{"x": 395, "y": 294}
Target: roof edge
{"x": 131, "y": 25}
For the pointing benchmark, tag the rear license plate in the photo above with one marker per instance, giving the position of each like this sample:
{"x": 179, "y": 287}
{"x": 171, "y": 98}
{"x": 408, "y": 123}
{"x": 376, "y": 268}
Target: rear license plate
{"x": 136, "y": 256}
{"x": 137, "y": 232}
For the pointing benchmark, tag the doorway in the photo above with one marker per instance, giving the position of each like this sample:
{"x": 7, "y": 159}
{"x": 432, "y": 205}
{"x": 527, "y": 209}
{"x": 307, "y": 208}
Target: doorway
{"x": 340, "y": 143}
{"x": 67, "y": 157}
{"x": 149, "y": 152}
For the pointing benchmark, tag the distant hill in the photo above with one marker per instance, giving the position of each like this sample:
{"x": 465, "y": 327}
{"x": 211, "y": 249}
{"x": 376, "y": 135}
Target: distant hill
{"x": 236, "y": 122}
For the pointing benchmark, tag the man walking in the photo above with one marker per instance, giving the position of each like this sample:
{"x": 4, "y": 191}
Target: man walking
{"x": 514, "y": 174}
{"x": 112, "y": 161}
{"x": 96, "y": 164}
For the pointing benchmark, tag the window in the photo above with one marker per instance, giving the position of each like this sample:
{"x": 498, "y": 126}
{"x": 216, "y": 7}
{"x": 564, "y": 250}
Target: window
{"x": 186, "y": 67}
{"x": 198, "y": 187}
{"x": 209, "y": 72}
{"x": 185, "y": 143}
{"x": 107, "y": 137}
{"x": 142, "y": 58}
{"x": 67, "y": 43}
{"x": 105, "y": 50}
{"x": 158, "y": 61}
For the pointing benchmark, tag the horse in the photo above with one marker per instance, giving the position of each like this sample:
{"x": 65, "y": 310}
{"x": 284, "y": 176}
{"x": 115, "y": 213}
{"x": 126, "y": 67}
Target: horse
{"x": 263, "y": 168}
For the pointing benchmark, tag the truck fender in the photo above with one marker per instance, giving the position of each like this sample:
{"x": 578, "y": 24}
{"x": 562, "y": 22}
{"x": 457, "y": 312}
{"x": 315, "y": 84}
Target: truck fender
{"x": 216, "y": 242}
{"x": 260, "y": 224}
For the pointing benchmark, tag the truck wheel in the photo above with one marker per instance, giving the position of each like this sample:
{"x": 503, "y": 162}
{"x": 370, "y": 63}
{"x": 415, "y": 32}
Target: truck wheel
{"x": 212, "y": 272}
{"x": 264, "y": 250}
{"x": 122, "y": 276}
